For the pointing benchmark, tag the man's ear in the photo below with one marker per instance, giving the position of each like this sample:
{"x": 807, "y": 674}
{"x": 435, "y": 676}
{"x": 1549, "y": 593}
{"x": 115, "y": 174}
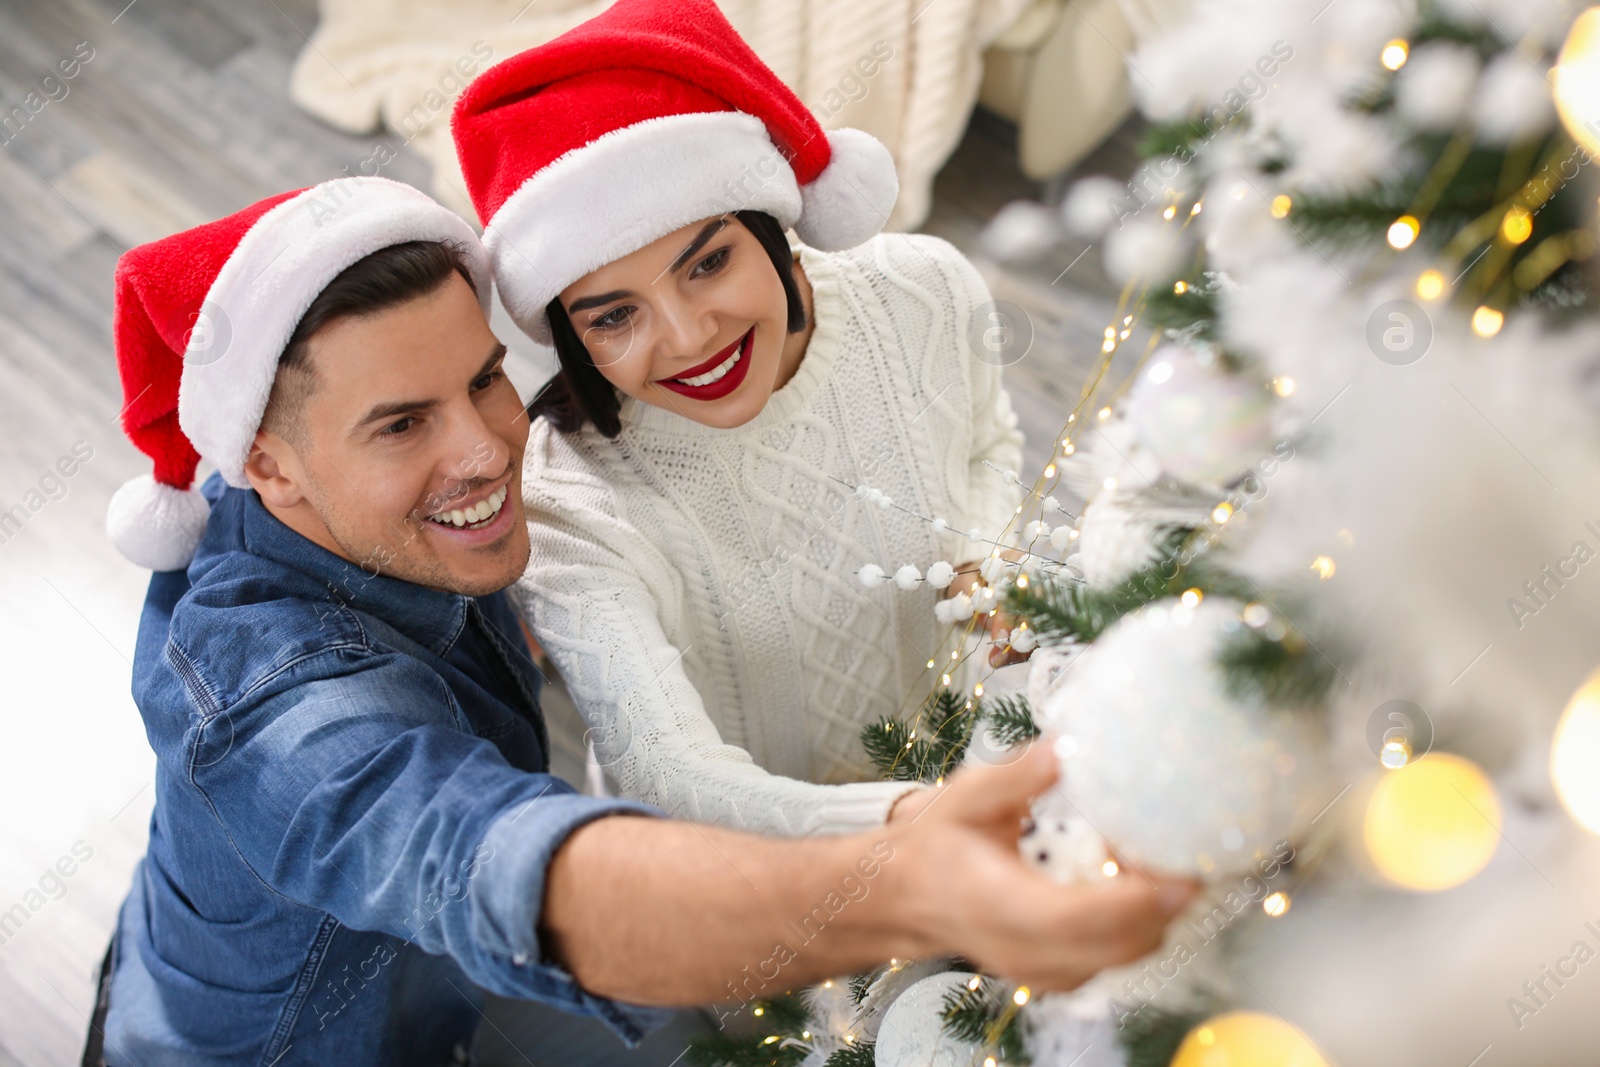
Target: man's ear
{"x": 274, "y": 471}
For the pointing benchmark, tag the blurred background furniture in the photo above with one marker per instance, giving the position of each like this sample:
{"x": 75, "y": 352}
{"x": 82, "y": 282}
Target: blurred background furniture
{"x": 906, "y": 71}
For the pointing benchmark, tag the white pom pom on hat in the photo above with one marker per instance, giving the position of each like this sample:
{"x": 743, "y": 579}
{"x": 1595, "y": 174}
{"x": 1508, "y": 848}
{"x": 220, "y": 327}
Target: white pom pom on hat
{"x": 202, "y": 318}
{"x": 852, "y": 198}
{"x": 155, "y": 525}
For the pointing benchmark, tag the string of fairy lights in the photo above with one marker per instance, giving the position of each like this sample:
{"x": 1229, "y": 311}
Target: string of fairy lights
{"x": 1407, "y": 821}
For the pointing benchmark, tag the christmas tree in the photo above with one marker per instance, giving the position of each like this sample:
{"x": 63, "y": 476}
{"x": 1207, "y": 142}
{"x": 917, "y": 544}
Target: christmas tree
{"x": 1305, "y": 581}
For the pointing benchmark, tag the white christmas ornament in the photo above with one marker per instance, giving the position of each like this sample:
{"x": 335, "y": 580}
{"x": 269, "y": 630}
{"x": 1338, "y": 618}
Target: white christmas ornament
{"x": 1145, "y": 248}
{"x": 1436, "y": 85}
{"x": 1178, "y": 776}
{"x": 912, "y": 1033}
{"x": 941, "y": 574}
{"x": 1200, "y": 422}
{"x": 1513, "y": 100}
{"x": 1021, "y": 231}
{"x": 907, "y": 577}
{"x": 1093, "y": 205}
{"x": 1064, "y": 847}
{"x": 871, "y": 576}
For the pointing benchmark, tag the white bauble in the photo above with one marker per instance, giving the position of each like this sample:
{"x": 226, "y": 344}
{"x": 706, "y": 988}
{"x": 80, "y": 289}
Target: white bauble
{"x": 1080, "y": 1032}
{"x": 1178, "y": 776}
{"x": 1200, "y": 422}
{"x": 1063, "y": 846}
{"x": 912, "y": 1033}
{"x": 1092, "y": 205}
{"x": 1436, "y": 85}
{"x": 1145, "y": 248}
{"x": 1021, "y": 232}
{"x": 1513, "y": 100}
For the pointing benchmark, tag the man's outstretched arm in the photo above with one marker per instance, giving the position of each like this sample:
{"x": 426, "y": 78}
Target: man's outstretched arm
{"x": 657, "y": 912}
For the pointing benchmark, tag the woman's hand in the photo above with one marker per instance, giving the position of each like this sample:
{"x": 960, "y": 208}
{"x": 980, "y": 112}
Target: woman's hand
{"x": 997, "y": 624}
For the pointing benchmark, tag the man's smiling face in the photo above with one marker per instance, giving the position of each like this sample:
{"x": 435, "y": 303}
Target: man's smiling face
{"x": 407, "y": 454}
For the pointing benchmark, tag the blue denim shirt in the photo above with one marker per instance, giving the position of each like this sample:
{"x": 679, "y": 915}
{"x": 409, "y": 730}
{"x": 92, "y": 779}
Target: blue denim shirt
{"x": 352, "y": 817}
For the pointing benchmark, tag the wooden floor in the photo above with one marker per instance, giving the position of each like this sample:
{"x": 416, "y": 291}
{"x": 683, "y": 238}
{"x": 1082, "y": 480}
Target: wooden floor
{"x": 179, "y": 114}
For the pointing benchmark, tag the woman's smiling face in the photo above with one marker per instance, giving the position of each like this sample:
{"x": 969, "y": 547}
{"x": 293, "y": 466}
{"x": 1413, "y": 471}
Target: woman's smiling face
{"x": 695, "y": 322}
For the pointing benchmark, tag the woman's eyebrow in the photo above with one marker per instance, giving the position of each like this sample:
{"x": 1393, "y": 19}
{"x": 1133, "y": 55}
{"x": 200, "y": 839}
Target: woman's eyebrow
{"x": 706, "y": 233}
{"x": 585, "y": 302}
{"x": 709, "y": 230}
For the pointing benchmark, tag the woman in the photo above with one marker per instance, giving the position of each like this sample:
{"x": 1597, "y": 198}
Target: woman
{"x": 692, "y": 479}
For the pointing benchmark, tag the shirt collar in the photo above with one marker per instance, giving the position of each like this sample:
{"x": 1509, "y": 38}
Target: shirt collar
{"x": 431, "y": 617}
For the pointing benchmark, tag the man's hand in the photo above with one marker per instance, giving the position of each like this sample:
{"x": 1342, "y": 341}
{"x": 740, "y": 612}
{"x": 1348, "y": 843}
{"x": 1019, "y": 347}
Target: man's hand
{"x": 959, "y": 872}
{"x": 664, "y": 912}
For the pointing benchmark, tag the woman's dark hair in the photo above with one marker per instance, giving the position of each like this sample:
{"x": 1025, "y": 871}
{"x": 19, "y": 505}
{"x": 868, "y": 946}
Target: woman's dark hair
{"x": 579, "y": 393}
{"x": 387, "y": 278}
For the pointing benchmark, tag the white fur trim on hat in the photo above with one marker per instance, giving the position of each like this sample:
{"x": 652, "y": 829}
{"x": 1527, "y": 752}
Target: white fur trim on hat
{"x": 155, "y": 525}
{"x": 622, "y": 191}
{"x": 280, "y": 266}
{"x": 851, "y": 199}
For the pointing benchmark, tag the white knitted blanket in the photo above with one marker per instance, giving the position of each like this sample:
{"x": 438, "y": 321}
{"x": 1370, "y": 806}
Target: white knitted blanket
{"x": 696, "y": 588}
{"x": 400, "y": 64}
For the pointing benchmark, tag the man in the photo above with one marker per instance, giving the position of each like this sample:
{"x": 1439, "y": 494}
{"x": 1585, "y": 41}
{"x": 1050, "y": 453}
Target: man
{"x": 355, "y": 839}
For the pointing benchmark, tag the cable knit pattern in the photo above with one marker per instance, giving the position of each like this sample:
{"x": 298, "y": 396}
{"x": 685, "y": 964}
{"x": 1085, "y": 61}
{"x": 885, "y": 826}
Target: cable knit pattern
{"x": 696, "y": 587}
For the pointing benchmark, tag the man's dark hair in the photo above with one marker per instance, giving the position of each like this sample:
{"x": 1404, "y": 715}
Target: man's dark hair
{"x": 579, "y": 393}
{"x": 387, "y": 278}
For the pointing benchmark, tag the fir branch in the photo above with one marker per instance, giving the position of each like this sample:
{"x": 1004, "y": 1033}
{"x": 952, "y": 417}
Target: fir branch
{"x": 1011, "y": 719}
{"x": 1152, "y": 1036}
{"x": 1180, "y": 138}
{"x": 751, "y": 1050}
{"x": 781, "y": 1017}
{"x": 860, "y": 983}
{"x": 859, "y": 1054}
{"x": 926, "y": 748}
{"x": 1072, "y": 612}
{"x": 1287, "y": 673}
{"x": 1192, "y": 311}
{"x": 986, "y": 1016}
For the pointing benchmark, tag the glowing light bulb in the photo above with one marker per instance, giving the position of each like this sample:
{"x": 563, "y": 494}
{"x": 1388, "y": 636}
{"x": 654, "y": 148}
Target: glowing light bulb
{"x": 1395, "y": 54}
{"x": 1222, "y": 513}
{"x": 1191, "y": 597}
{"x": 1280, "y": 206}
{"x": 1430, "y": 285}
{"x": 1324, "y": 566}
{"x": 1486, "y": 321}
{"x": 1575, "y": 752}
{"x": 1517, "y": 226}
{"x": 1395, "y": 753}
{"x": 1275, "y": 904}
{"x": 1432, "y": 824}
{"x": 1180, "y": 287}
{"x": 1170, "y": 212}
{"x": 1576, "y": 77}
{"x": 1403, "y": 231}
{"x": 1195, "y": 210}
{"x": 1283, "y": 386}
{"x": 1050, "y": 470}
{"x": 1103, "y": 414}
{"x": 1020, "y": 997}
{"x": 1247, "y": 1039}
{"x": 1109, "y": 868}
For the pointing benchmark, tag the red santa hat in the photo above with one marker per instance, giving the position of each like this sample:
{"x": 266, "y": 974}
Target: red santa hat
{"x": 644, "y": 119}
{"x": 203, "y": 316}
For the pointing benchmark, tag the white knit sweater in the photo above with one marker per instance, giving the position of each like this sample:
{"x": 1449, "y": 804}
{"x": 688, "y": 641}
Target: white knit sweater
{"x": 696, "y": 588}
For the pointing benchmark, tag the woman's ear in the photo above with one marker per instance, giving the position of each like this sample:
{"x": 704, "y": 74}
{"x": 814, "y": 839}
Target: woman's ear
{"x": 274, "y": 471}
